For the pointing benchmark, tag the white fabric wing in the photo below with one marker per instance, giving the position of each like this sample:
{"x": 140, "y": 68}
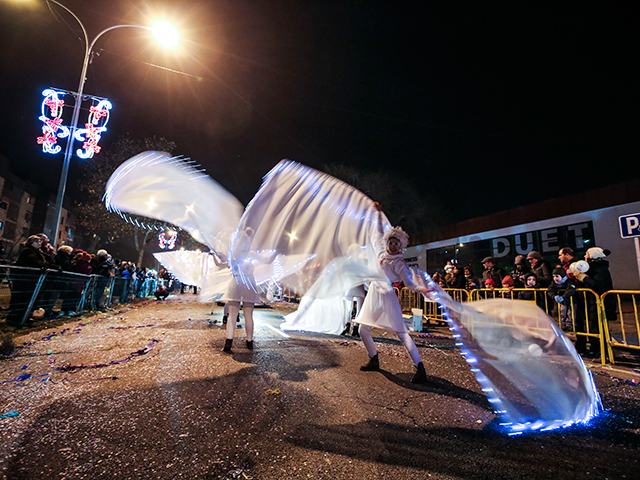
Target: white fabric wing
{"x": 527, "y": 367}
{"x": 190, "y": 267}
{"x": 157, "y": 185}
{"x": 301, "y": 211}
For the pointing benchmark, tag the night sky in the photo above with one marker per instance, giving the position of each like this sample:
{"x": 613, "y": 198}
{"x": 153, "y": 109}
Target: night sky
{"x": 481, "y": 108}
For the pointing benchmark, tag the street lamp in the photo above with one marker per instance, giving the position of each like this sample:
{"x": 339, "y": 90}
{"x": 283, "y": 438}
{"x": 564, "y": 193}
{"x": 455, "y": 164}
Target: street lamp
{"x": 162, "y": 31}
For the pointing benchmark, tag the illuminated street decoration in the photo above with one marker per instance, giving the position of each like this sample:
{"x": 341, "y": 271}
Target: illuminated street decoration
{"x": 51, "y": 117}
{"x": 53, "y": 129}
{"x": 167, "y": 239}
{"x": 91, "y": 134}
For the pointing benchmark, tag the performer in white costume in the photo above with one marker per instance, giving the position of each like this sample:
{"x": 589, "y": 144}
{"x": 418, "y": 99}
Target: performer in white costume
{"x": 242, "y": 289}
{"x": 381, "y": 308}
{"x": 529, "y": 370}
{"x": 358, "y": 293}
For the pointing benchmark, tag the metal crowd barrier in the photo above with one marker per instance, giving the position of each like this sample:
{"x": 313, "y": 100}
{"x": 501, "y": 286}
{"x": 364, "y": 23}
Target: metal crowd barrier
{"x": 622, "y": 325}
{"x": 24, "y": 290}
{"x": 586, "y": 317}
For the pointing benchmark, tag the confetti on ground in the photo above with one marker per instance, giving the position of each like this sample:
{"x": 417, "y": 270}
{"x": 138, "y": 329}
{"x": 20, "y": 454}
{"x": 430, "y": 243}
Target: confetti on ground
{"x": 8, "y": 414}
{"x": 137, "y": 353}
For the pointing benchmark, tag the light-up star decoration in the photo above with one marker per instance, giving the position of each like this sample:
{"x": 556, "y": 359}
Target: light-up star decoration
{"x": 52, "y": 129}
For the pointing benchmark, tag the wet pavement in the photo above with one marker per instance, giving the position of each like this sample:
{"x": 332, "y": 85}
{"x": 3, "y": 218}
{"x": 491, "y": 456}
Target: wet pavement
{"x": 146, "y": 392}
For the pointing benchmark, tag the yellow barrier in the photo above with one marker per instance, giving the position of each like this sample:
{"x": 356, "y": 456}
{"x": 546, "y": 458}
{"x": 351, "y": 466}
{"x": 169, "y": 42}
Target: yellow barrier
{"x": 622, "y": 324}
{"x": 585, "y": 317}
{"x": 431, "y": 310}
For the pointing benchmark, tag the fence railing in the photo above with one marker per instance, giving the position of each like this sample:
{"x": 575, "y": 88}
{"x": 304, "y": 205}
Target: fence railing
{"x": 606, "y": 322}
{"x": 25, "y": 290}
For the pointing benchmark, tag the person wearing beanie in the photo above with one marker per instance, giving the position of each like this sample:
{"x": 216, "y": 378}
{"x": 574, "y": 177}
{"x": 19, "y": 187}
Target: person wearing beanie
{"x": 541, "y": 268}
{"x": 561, "y": 291}
{"x": 507, "y": 282}
{"x": 520, "y": 269}
{"x": 597, "y": 278}
{"x": 531, "y": 294}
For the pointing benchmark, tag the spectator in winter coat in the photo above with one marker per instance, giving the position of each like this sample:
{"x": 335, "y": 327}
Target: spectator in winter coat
{"x": 80, "y": 263}
{"x": 448, "y": 273}
{"x": 471, "y": 282}
{"x": 507, "y": 287}
{"x": 566, "y": 257}
{"x": 541, "y": 268}
{"x": 63, "y": 258}
{"x": 32, "y": 256}
{"x": 531, "y": 283}
{"x": 561, "y": 291}
{"x": 457, "y": 278}
{"x": 23, "y": 282}
{"x": 493, "y": 272}
{"x": 597, "y": 278}
{"x": 520, "y": 269}
{"x": 101, "y": 265}
{"x": 58, "y": 283}
{"x": 490, "y": 285}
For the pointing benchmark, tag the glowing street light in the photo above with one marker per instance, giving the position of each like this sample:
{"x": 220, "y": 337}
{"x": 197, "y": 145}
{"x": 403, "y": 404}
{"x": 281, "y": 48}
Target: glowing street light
{"x": 164, "y": 33}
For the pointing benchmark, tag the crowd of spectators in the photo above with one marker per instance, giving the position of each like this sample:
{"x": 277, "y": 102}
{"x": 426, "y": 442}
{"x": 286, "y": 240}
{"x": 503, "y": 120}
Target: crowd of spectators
{"x": 62, "y": 288}
{"x": 493, "y": 276}
{"x": 554, "y": 288}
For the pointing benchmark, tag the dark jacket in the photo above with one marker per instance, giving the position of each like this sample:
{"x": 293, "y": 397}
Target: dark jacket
{"x": 63, "y": 259}
{"x": 598, "y": 279}
{"x": 518, "y": 276}
{"x": 33, "y": 257}
{"x": 565, "y": 289}
{"x": 531, "y": 295}
{"x": 102, "y": 265}
{"x": 458, "y": 281}
{"x": 494, "y": 273}
{"x": 543, "y": 273}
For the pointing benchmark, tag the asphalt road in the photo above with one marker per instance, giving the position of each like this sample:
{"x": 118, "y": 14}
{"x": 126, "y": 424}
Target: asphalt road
{"x": 146, "y": 392}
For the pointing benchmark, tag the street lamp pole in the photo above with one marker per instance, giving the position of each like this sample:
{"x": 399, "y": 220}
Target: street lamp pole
{"x": 68, "y": 153}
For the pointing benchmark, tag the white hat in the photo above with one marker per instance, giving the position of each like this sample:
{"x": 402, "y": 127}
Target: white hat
{"x": 595, "y": 252}
{"x": 399, "y": 233}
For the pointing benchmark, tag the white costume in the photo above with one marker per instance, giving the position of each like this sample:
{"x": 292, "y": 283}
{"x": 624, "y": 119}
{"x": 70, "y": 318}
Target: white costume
{"x": 381, "y": 307}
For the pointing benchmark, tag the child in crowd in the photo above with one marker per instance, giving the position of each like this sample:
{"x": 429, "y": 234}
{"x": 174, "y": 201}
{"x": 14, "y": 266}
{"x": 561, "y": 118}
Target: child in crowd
{"x": 531, "y": 283}
{"x": 489, "y": 285}
{"x": 561, "y": 290}
{"x": 507, "y": 287}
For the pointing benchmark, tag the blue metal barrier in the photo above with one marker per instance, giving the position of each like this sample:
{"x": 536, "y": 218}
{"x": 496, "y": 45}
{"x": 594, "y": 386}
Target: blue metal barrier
{"x": 25, "y": 290}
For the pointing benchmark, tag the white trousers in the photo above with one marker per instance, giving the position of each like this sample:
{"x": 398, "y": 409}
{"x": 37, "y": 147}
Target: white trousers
{"x": 234, "y": 309}
{"x": 405, "y": 338}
